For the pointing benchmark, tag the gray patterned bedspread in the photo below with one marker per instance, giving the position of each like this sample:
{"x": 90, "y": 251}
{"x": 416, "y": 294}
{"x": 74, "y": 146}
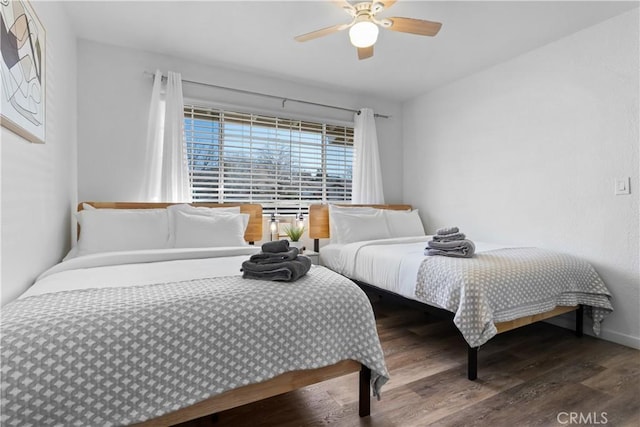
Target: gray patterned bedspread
{"x": 505, "y": 284}
{"x": 121, "y": 355}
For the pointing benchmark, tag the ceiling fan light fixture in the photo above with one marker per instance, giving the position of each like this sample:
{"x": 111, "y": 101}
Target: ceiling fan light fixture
{"x": 363, "y": 34}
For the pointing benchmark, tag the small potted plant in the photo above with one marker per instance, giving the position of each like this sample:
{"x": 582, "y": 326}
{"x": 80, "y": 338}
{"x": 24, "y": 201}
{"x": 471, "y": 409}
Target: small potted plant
{"x": 294, "y": 233}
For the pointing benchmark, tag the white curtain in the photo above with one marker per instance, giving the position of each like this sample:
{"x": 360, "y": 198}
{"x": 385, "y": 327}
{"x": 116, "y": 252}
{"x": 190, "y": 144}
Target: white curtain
{"x": 166, "y": 169}
{"x": 367, "y": 174}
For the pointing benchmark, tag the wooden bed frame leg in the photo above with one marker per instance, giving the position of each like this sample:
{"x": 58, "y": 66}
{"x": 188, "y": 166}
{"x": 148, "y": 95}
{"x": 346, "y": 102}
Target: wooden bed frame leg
{"x": 579, "y": 321}
{"x": 472, "y": 362}
{"x": 364, "y": 409}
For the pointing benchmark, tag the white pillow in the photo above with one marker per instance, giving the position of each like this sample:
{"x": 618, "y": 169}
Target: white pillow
{"x": 106, "y": 230}
{"x": 404, "y": 223}
{"x": 72, "y": 253}
{"x": 74, "y": 250}
{"x": 359, "y": 227}
{"x": 333, "y": 209}
{"x": 193, "y": 210}
{"x": 205, "y": 231}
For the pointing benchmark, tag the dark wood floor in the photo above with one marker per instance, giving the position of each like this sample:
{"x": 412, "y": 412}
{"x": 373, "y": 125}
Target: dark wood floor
{"x": 539, "y": 375}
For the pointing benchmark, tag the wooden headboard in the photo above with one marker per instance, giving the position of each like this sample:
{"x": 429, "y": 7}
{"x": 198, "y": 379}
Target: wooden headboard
{"x": 319, "y": 217}
{"x": 252, "y": 234}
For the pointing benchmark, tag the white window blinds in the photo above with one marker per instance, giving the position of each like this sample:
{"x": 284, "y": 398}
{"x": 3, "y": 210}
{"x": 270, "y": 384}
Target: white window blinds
{"x": 281, "y": 163}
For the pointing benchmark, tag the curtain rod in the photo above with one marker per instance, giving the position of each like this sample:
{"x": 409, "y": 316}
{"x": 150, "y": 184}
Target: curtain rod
{"x": 266, "y": 95}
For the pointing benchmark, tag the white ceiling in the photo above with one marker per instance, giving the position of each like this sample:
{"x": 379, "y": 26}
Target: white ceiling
{"x": 258, "y": 36}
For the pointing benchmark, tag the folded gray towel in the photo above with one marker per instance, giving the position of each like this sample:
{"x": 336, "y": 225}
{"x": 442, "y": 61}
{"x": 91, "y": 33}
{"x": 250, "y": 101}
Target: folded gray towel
{"x": 434, "y": 252}
{"x": 453, "y": 245}
{"x": 274, "y": 257}
{"x": 276, "y": 246}
{"x": 449, "y": 237}
{"x": 287, "y": 271}
{"x": 447, "y": 230}
{"x": 458, "y": 248}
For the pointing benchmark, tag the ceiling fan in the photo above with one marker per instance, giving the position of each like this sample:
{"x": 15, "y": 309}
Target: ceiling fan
{"x": 363, "y": 28}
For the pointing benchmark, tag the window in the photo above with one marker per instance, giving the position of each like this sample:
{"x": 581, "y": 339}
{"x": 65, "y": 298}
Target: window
{"x": 283, "y": 164}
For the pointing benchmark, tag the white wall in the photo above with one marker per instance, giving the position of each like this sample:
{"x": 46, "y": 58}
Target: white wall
{"x": 113, "y": 103}
{"x": 39, "y": 180}
{"x": 526, "y": 153}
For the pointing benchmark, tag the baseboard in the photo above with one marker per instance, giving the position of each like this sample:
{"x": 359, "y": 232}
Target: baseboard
{"x": 569, "y": 322}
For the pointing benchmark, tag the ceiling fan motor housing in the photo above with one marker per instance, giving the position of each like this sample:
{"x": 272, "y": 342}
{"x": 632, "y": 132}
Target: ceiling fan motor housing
{"x": 367, "y": 9}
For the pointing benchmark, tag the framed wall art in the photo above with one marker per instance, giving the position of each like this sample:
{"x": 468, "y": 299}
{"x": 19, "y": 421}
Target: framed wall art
{"x": 23, "y": 48}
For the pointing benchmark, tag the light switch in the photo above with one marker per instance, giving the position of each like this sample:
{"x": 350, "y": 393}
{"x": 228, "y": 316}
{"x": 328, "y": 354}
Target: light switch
{"x": 622, "y": 186}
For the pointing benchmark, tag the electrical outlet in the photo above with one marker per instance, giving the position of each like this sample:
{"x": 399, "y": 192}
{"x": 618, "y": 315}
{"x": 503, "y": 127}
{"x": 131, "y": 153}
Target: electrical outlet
{"x": 622, "y": 186}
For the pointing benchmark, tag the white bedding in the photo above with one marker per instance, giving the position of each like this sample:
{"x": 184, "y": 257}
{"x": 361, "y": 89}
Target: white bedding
{"x": 390, "y": 264}
{"x": 498, "y": 284}
{"x": 128, "y": 268}
{"x": 124, "y": 337}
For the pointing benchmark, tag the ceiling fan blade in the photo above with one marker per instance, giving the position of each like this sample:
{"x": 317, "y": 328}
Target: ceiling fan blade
{"x": 344, "y": 4}
{"x": 413, "y": 26}
{"x": 387, "y": 3}
{"x": 365, "y": 52}
{"x": 378, "y": 6}
{"x": 323, "y": 32}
